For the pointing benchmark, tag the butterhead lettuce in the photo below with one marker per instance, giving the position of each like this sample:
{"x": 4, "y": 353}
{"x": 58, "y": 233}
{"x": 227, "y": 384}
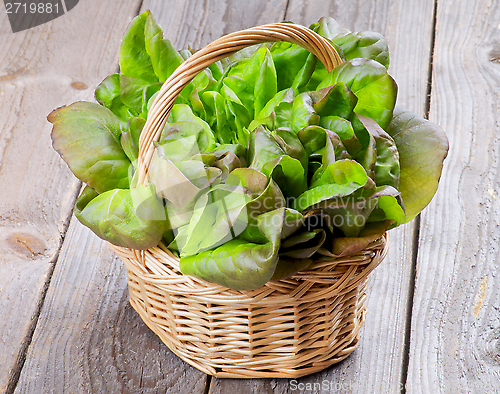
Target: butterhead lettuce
{"x": 267, "y": 161}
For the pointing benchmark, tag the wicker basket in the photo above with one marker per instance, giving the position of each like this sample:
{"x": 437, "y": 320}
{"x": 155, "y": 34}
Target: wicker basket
{"x": 287, "y": 328}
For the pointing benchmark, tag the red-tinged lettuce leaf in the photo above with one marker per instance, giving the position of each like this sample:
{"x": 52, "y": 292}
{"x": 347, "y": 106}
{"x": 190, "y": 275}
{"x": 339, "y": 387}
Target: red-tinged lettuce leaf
{"x": 239, "y": 150}
{"x": 322, "y": 145}
{"x": 350, "y": 214}
{"x": 227, "y": 163}
{"x": 239, "y": 264}
{"x": 130, "y": 138}
{"x": 296, "y": 251}
{"x": 131, "y": 218}
{"x": 373, "y": 86}
{"x": 87, "y": 136}
{"x": 266, "y": 155}
{"x": 386, "y": 167}
{"x": 291, "y": 145}
{"x": 303, "y": 245}
{"x": 422, "y": 147}
{"x": 335, "y": 100}
{"x": 226, "y": 210}
{"x": 349, "y": 245}
{"x": 287, "y": 267}
{"x": 364, "y": 44}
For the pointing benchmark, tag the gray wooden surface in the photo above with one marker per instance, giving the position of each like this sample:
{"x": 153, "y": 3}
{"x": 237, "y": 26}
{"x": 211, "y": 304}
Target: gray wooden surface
{"x": 41, "y": 69}
{"x": 455, "y": 327}
{"x": 65, "y": 322}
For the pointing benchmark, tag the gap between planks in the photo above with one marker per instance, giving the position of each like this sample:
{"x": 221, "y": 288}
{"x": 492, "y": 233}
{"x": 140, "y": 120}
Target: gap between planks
{"x": 16, "y": 373}
{"x": 417, "y": 222}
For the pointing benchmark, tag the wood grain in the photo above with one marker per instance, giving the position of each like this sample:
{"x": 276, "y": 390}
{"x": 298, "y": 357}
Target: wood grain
{"x": 90, "y": 340}
{"x": 455, "y": 332}
{"x": 198, "y": 23}
{"x": 377, "y": 365}
{"x": 41, "y": 69}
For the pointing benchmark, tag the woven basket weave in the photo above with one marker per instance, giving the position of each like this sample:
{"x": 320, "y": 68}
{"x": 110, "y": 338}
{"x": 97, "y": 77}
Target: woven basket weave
{"x": 287, "y": 328}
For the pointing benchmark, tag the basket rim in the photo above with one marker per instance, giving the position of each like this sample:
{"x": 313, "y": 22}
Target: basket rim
{"x": 159, "y": 266}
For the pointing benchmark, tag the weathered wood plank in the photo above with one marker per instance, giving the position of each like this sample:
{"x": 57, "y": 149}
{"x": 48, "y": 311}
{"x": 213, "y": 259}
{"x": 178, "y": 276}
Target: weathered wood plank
{"x": 198, "y": 23}
{"x": 376, "y": 366}
{"x": 41, "y": 69}
{"x": 455, "y": 331}
{"x": 88, "y": 338}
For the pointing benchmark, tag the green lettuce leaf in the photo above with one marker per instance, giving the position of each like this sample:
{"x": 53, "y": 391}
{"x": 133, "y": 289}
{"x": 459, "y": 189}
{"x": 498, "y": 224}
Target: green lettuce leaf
{"x": 134, "y": 59}
{"x": 251, "y": 82}
{"x": 87, "y": 136}
{"x": 185, "y": 128}
{"x": 371, "y": 84}
{"x": 239, "y": 264}
{"x": 422, "y": 147}
{"x": 364, "y": 44}
{"x": 339, "y": 179}
{"x": 266, "y": 155}
{"x": 180, "y": 182}
{"x": 130, "y": 138}
{"x": 294, "y": 65}
{"x": 164, "y": 58}
{"x": 336, "y": 100}
{"x": 215, "y": 109}
{"x": 145, "y": 54}
{"x": 386, "y": 167}
{"x": 131, "y": 218}
{"x": 108, "y": 94}
{"x": 227, "y": 209}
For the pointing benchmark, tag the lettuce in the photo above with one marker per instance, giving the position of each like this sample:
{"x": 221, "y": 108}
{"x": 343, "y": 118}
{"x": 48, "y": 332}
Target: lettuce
{"x": 266, "y": 163}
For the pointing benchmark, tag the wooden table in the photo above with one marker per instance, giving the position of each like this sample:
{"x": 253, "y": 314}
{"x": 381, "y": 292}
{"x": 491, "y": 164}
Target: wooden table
{"x": 433, "y": 324}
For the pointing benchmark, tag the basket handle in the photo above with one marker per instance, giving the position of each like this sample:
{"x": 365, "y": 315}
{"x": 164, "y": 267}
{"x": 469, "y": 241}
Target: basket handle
{"x": 220, "y": 48}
